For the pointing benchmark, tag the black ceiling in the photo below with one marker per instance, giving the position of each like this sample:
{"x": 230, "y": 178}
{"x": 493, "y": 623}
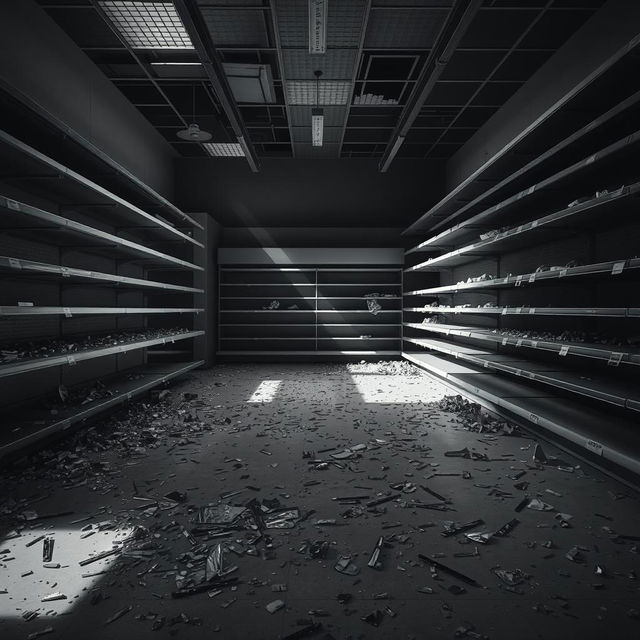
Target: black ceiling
{"x": 376, "y": 50}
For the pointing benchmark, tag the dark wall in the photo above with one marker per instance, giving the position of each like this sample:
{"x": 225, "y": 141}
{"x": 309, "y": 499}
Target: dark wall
{"x": 601, "y": 36}
{"x": 308, "y": 193}
{"x": 40, "y": 60}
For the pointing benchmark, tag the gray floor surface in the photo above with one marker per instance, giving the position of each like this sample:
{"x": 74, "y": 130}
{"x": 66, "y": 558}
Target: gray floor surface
{"x": 249, "y": 427}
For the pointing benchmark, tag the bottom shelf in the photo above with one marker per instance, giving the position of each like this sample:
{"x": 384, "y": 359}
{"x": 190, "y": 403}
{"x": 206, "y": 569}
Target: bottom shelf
{"x": 25, "y": 432}
{"x": 626, "y": 396}
{"x": 593, "y": 434}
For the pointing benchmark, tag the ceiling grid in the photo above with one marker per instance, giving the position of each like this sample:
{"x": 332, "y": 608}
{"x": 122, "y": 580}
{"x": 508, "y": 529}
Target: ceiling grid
{"x": 376, "y": 52}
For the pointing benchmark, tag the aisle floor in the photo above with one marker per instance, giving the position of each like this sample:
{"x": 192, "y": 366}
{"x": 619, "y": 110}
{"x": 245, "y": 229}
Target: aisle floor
{"x": 247, "y": 430}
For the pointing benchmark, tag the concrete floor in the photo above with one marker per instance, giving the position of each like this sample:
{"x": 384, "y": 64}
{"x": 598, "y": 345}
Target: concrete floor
{"x": 251, "y": 411}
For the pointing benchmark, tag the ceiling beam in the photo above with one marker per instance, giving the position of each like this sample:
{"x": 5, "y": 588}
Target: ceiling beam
{"x": 356, "y": 68}
{"x": 210, "y": 60}
{"x": 455, "y": 26}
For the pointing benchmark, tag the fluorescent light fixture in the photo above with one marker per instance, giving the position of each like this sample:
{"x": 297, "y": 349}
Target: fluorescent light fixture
{"x": 147, "y": 25}
{"x": 303, "y": 92}
{"x": 318, "y": 12}
{"x": 317, "y": 127}
{"x": 224, "y": 149}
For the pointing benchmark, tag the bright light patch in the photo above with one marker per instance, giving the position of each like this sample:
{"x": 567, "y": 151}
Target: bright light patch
{"x": 396, "y": 389}
{"x": 266, "y": 391}
{"x": 26, "y": 593}
{"x": 147, "y": 25}
{"x": 224, "y": 149}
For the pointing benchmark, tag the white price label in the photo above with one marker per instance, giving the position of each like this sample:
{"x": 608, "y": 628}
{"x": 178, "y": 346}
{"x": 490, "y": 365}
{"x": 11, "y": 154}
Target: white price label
{"x": 532, "y": 310}
{"x": 532, "y": 277}
{"x": 71, "y": 360}
{"x": 519, "y": 342}
{"x": 564, "y": 349}
{"x": 15, "y": 264}
{"x": 594, "y": 446}
{"x": 534, "y": 418}
{"x": 518, "y": 281}
{"x": 504, "y": 311}
{"x": 67, "y": 312}
{"x": 13, "y": 205}
{"x": 534, "y": 224}
{"x": 519, "y": 310}
{"x": 534, "y": 344}
{"x": 563, "y": 273}
{"x": 486, "y": 364}
{"x": 504, "y": 341}
{"x": 618, "y": 267}
{"x": 65, "y": 272}
{"x": 615, "y": 358}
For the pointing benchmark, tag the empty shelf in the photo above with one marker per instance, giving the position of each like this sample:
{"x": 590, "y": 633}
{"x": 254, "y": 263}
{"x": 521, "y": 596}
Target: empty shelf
{"x": 45, "y": 270}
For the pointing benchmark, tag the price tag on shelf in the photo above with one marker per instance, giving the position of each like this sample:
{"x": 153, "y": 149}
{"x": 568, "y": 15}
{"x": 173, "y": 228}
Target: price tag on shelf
{"x": 518, "y": 309}
{"x": 13, "y": 205}
{"x": 67, "y": 312}
{"x": 618, "y": 267}
{"x": 504, "y": 341}
{"x": 65, "y": 272}
{"x": 164, "y": 341}
{"x": 534, "y": 224}
{"x": 532, "y": 310}
{"x": 518, "y": 281}
{"x": 594, "y": 446}
{"x": 486, "y": 364}
{"x": 71, "y": 360}
{"x": 15, "y": 264}
{"x": 534, "y": 418}
{"x": 614, "y": 359}
{"x": 564, "y": 349}
{"x": 530, "y": 190}
{"x": 534, "y": 344}
{"x": 504, "y": 311}
{"x": 532, "y": 278}
{"x": 519, "y": 342}
{"x": 563, "y": 273}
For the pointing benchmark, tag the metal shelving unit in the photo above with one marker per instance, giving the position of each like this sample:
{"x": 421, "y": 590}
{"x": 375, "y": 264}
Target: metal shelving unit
{"x": 331, "y": 322}
{"x": 80, "y": 257}
{"x": 590, "y": 101}
{"x": 539, "y": 242}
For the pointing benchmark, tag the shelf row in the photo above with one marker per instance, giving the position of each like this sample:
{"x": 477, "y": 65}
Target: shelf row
{"x": 598, "y": 312}
{"x": 69, "y": 312}
{"x": 596, "y": 387}
{"x": 581, "y": 426}
{"x": 32, "y": 426}
{"x": 613, "y": 356}
{"x": 309, "y": 298}
{"x": 506, "y": 209}
{"x": 44, "y": 270}
{"x": 20, "y": 161}
{"x": 549, "y": 227}
{"x": 575, "y": 112}
{"x": 610, "y": 267}
{"x": 21, "y": 366}
{"x": 21, "y": 218}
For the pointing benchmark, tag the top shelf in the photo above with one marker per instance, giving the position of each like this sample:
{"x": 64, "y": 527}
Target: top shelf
{"x": 545, "y": 228}
{"x": 540, "y": 194}
{"x": 573, "y": 111}
{"x": 17, "y": 108}
{"x": 19, "y": 162}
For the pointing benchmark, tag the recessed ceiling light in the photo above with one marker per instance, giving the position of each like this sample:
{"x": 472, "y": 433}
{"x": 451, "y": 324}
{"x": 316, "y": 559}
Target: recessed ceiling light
{"x": 224, "y": 149}
{"x": 329, "y": 92}
{"x": 147, "y": 25}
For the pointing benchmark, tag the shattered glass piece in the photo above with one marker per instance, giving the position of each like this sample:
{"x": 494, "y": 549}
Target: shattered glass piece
{"x": 539, "y": 505}
{"x": 215, "y": 561}
{"x": 482, "y": 537}
{"x": 345, "y": 566}
{"x": 219, "y": 514}
{"x": 374, "y": 618}
{"x": 274, "y": 606}
{"x": 538, "y": 455}
{"x": 575, "y": 555}
{"x": 510, "y": 578}
{"x": 506, "y": 528}
{"x": 286, "y": 519}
